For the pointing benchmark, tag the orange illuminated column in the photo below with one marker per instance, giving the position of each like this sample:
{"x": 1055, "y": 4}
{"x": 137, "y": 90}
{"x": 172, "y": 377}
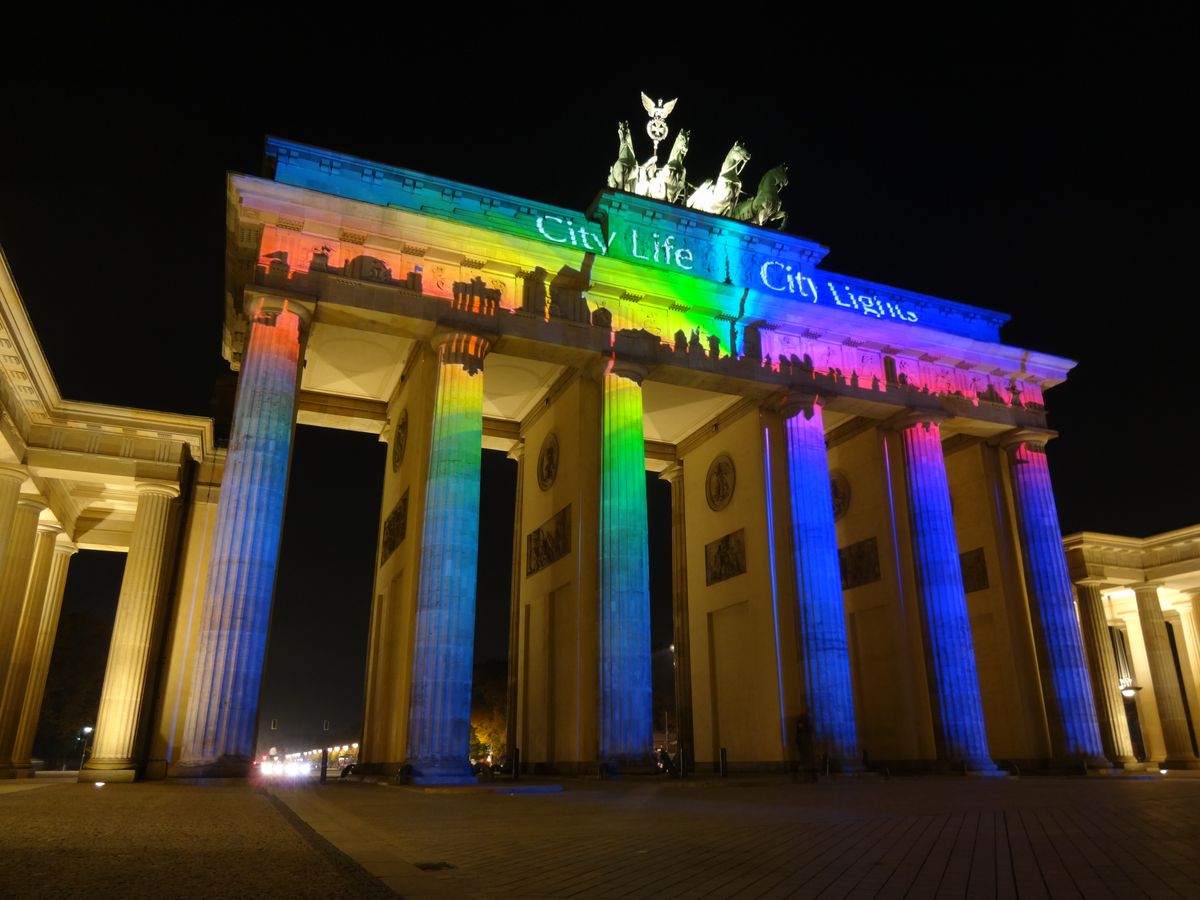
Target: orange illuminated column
{"x": 14, "y": 577}
{"x": 954, "y": 681}
{"x": 44, "y": 649}
{"x": 1165, "y": 679}
{"x": 220, "y": 728}
{"x": 117, "y": 747}
{"x": 11, "y": 479}
{"x": 12, "y": 697}
{"x": 1066, "y": 686}
{"x": 1102, "y": 666}
{"x": 439, "y": 718}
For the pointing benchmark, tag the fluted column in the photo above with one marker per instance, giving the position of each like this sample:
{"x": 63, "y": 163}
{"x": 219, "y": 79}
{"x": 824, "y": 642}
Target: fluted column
{"x": 957, "y": 705}
{"x": 821, "y": 616}
{"x": 517, "y": 454}
{"x": 626, "y": 713}
{"x": 14, "y": 577}
{"x": 439, "y": 717}
{"x": 682, "y": 648}
{"x": 1102, "y": 665}
{"x": 11, "y": 479}
{"x": 221, "y": 722}
{"x": 137, "y": 630}
{"x": 43, "y": 651}
{"x": 12, "y": 697}
{"x": 1066, "y": 688}
{"x": 1166, "y": 682}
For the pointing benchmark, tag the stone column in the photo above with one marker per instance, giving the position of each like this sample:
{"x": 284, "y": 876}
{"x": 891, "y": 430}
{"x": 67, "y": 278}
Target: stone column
{"x": 1102, "y": 664}
{"x": 44, "y": 649}
{"x": 11, "y": 479}
{"x": 12, "y": 697}
{"x": 821, "y": 616}
{"x": 14, "y": 577}
{"x": 222, "y": 711}
{"x": 1166, "y": 683}
{"x": 1070, "y": 710}
{"x": 517, "y": 453}
{"x": 957, "y": 705}
{"x": 439, "y": 717}
{"x": 625, "y": 727}
{"x": 682, "y": 653}
{"x": 117, "y": 745}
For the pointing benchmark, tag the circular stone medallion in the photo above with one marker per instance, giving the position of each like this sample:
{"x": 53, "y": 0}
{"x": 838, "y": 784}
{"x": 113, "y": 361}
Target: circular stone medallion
{"x": 839, "y": 487}
{"x": 547, "y": 469}
{"x": 718, "y": 485}
{"x": 399, "y": 440}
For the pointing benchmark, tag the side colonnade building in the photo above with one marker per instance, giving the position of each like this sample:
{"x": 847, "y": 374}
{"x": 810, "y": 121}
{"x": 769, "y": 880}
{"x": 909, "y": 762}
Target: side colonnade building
{"x": 867, "y": 562}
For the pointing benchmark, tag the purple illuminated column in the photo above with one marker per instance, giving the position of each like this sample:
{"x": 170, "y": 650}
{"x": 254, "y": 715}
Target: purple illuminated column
{"x": 825, "y": 652}
{"x": 1102, "y": 665}
{"x": 1070, "y": 710}
{"x": 439, "y": 716}
{"x": 1165, "y": 679}
{"x": 626, "y": 713}
{"x": 957, "y": 707}
{"x": 128, "y": 678}
{"x": 223, "y": 707}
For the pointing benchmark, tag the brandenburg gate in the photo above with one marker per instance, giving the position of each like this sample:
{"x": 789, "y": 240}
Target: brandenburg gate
{"x": 867, "y": 563}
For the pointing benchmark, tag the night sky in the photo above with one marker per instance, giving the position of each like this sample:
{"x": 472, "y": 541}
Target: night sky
{"x": 1053, "y": 183}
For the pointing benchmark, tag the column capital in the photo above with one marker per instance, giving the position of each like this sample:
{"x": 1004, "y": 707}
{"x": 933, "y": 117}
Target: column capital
{"x": 905, "y": 420}
{"x": 165, "y": 488}
{"x": 1147, "y": 587}
{"x": 458, "y": 345}
{"x": 672, "y": 473}
{"x": 30, "y": 502}
{"x": 50, "y": 528}
{"x": 1100, "y": 584}
{"x": 1010, "y": 440}
{"x": 13, "y": 472}
{"x": 517, "y": 451}
{"x": 265, "y": 308}
{"x": 64, "y": 545}
{"x": 795, "y": 402}
{"x": 625, "y": 368}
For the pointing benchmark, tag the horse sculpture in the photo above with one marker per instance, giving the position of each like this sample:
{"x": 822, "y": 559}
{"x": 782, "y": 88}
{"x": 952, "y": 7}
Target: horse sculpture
{"x": 719, "y": 196}
{"x": 765, "y": 206}
{"x": 666, "y": 183}
{"x": 624, "y": 172}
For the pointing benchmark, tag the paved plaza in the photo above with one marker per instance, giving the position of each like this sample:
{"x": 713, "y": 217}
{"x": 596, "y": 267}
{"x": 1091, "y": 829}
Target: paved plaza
{"x": 760, "y": 838}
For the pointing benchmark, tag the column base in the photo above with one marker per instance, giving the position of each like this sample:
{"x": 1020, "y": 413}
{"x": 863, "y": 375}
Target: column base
{"x": 17, "y": 772}
{"x": 236, "y": 767}
{"x": 1190, "y": 764}
{"x": 438, "y": 772}
{"x": 975, "y": 766}
{"x": 114, "y": 770}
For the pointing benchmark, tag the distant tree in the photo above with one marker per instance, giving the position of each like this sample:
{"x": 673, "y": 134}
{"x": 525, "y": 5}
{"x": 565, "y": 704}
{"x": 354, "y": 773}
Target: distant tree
{"x": 489, "y": 708}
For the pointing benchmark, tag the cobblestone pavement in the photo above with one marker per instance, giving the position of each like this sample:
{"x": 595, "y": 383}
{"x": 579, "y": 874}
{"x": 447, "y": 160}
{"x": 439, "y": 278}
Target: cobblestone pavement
{"x": 764, "y": 838}
{"x": 62, "y": 839}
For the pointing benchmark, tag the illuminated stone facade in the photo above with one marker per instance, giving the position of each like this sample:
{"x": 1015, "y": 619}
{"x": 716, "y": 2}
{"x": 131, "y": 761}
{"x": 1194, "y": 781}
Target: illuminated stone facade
{"x": 866, "y": 557}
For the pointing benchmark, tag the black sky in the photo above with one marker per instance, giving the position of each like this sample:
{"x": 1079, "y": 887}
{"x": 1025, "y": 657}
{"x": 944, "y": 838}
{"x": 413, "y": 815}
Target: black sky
{"x": 1053, "y": 182}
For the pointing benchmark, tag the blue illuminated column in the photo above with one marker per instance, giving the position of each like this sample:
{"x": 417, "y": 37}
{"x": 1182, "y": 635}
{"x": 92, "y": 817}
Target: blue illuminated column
{"x": 1066, "y": 689}
{"x": 957, "y": 706}
{"x": 133, "y": 649}
{"x": 626, "y": 714}
{"x": 223, "y": 706}
{"x": 439, "y": 715}
{"x": 1102, "y": 666}
{"x": 825, "y": 653}
{"x": 1165, "y": 679}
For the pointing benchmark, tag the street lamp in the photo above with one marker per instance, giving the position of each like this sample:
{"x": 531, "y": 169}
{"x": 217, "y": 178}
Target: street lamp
{"x": 83, "y": 739}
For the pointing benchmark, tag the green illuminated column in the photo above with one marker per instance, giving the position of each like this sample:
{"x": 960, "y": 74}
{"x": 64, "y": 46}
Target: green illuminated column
{"x": 626, "y": 715}
{"x": 439, "y": 717}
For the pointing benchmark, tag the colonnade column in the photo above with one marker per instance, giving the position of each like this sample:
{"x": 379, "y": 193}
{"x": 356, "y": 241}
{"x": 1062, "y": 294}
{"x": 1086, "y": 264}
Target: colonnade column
{"x": 14, "y": 577}
{"x": 1070, "y": 709}
{"x": 1102, "y": 664}
{"x": 439, "y": 718}
{"x": 1167, "y": 695}
{"x": 825, "y": 650}
{"x": 957, "y": 705}
{"x": 16, "y": 683}
{"x": 517, "y": 454}
{"x": 625, "y": 728}
{"x": 223, "y": 707}
{"x": 44, "y": 649}
{"x": 681, "y": 651}
{"x": 117, "y": 747}
{"x": 11, "y": 479}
